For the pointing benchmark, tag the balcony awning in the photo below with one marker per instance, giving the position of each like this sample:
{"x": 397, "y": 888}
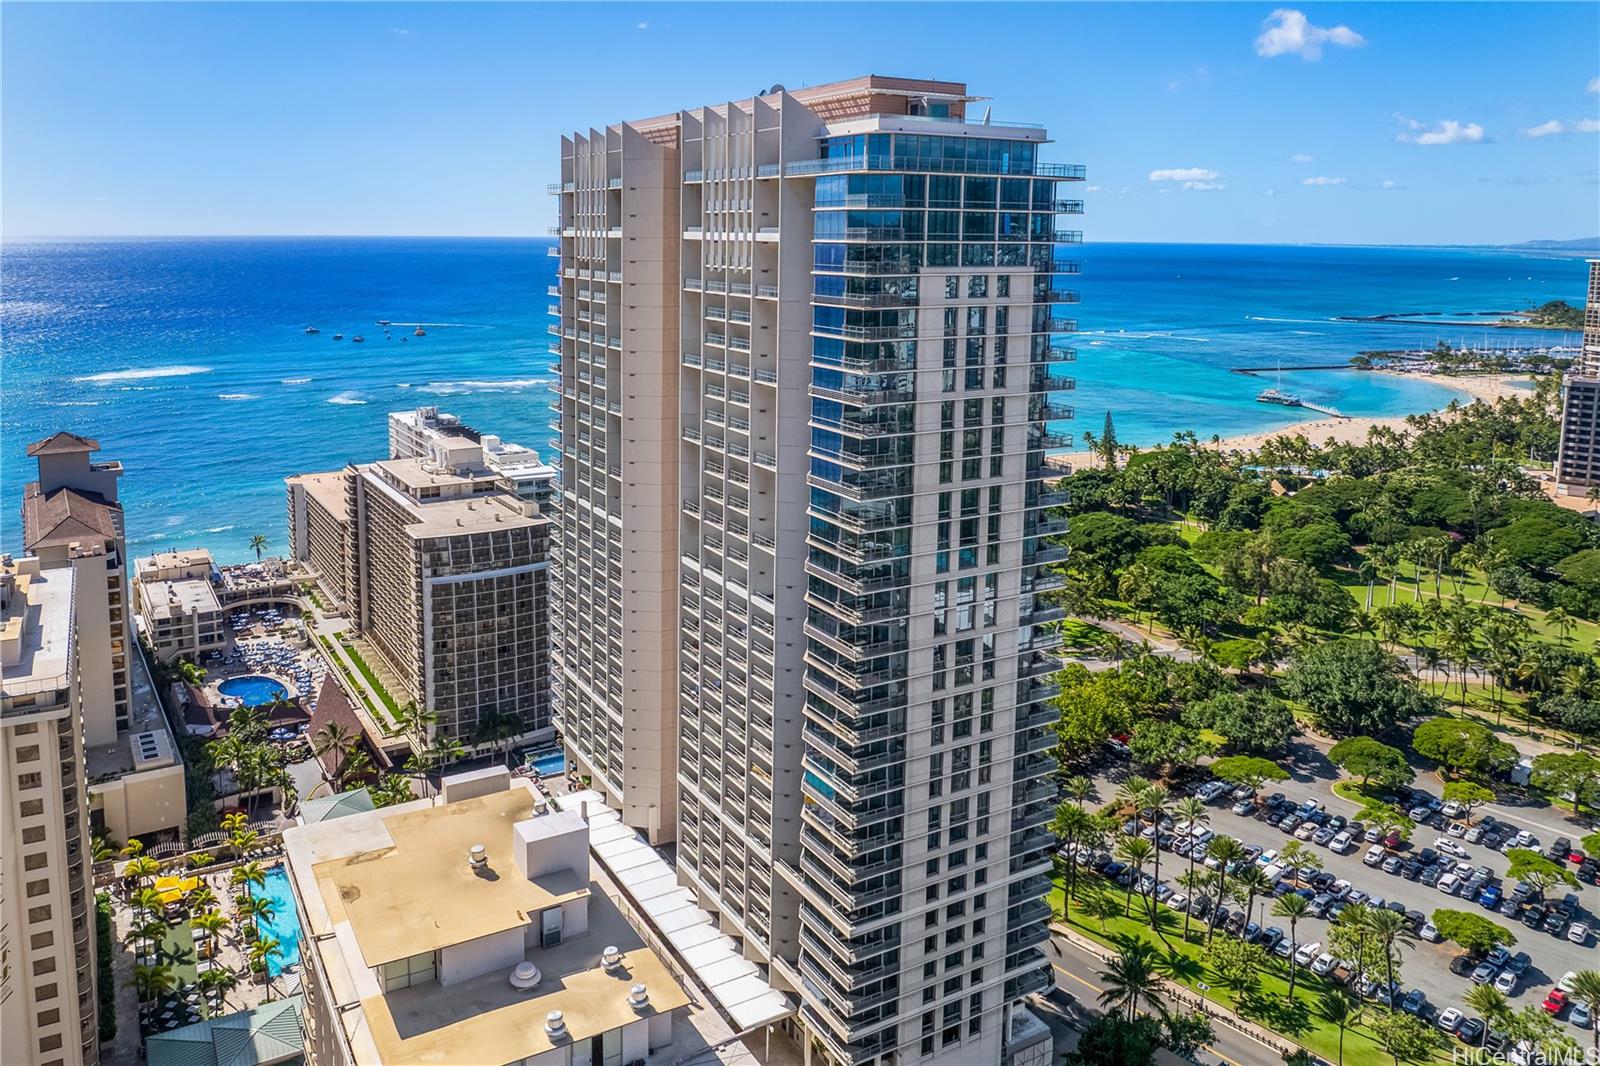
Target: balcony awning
{"x": 712, "y": 957}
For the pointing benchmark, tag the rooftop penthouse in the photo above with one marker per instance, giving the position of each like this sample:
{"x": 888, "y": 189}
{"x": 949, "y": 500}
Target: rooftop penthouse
{"x": 468, "y": 928}
{"x": 520, "y": 469}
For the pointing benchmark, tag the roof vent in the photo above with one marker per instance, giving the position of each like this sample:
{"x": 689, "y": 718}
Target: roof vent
{"x": 478, "y": 857}
{"x": 555, "y": 1024}
{"x": 611, "y": 958}
{"x": 638, "y": 998}
{"x": 525, "y": 977}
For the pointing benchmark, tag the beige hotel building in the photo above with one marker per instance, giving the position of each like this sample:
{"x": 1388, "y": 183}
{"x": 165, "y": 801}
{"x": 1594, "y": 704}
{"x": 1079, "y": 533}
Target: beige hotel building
{"x": 809, "y": 355}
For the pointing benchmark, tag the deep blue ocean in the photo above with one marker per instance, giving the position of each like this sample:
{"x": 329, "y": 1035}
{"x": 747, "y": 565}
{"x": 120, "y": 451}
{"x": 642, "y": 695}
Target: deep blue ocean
{"x": 188, "y": 359}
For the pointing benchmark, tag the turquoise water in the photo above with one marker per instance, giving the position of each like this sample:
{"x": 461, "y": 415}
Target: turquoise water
{"x": 189, "y": 360}
{"x": 551, "y": 765}
{"x": 284, "y": 925}
{"x": 253, "y": 689}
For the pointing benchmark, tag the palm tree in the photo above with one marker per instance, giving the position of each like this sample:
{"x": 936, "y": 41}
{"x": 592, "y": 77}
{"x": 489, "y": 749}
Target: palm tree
{"x": 248, "y": 875}
{"x": 1293, "y": 907}
{"x": 1196, "y": 883}
{"x": 1193, "y": 810}
{"x": 1127, "y": 796}
{"x": 1135, "y": 851}
{"x": 1563, "y": 622}
{"x": 1157, "y": 800}
{"x": 498, "y": 728}
{"x": 1078, "y": 788}
{"x": 1251, "y": 882}
{"x": 218, "y": 979}
{"x": 151, "y": 981}
{"x": 151, "y": 933}
{"x": 252, "y": 911}
{"x": 1131, "y": 977}
{"x": 339, "y": 742}
{"x": 1071, "y": 825}
{"x": 1226, "y": 850}
{"x": 1586, "y": 990}
{"x": 211, "y": 923}
{"x": 140, "y": 869}
{"x": 1339, "y": 1009}
{"x": 261, "y": 952}
{"x": 1391, "y": 930}
{"x": 1490, "y": 1003}
{"x": 416, "y": 723}
{"x": 259, "y": 544}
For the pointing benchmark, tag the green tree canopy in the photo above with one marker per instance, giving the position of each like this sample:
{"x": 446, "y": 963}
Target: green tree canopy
{"x": 1529, "y": 865}
{"x": 1575, "y": 774}
{"x": 1536, "y": 542}
{"x": 1469, "y": 794}
{"x": 1157, "y": 744}
{"x": 1354, "y": 688}
{"x": 1255, "y": 723}
{"x": 1472, "y": 931}
{"x": 1373, "y": 761}
{"x": 1248, "y": 770}
{"x": 1461, "y": 746}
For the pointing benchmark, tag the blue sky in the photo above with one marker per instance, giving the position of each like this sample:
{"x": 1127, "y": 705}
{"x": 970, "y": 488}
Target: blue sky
{"x": 1351, "y": 123}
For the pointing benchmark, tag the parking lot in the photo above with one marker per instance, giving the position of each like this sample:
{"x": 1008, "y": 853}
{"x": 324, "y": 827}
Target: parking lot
{"x": 1425, "y": 965}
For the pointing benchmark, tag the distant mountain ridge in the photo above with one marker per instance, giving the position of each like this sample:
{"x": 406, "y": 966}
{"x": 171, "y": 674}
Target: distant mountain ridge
{"x": 1580, "y": 244}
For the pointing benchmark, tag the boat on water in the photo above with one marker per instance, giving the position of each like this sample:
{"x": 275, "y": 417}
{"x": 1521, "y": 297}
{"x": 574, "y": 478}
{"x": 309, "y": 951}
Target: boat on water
{"x": 1287, "y": 399}
{"x": 384, "y": 322}
{"x": 338, "y": 336}
{"x": 420, "y": 332}
{"x": 312, "y": 329}
{"x": 357, "y": 340}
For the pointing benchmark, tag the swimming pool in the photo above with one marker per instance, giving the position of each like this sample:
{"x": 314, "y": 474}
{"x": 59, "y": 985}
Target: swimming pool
{"x": 551, "y": 765}
{"x": 253, "y": 689}
{"x": 284, "y": 925}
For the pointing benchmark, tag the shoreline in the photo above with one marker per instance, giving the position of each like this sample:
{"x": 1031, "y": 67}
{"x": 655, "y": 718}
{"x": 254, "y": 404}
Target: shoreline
{"x": 1485, "y": 387}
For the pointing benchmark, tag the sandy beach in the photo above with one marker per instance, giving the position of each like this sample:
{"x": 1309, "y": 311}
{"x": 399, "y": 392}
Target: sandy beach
{"x": 1486, "y": 387}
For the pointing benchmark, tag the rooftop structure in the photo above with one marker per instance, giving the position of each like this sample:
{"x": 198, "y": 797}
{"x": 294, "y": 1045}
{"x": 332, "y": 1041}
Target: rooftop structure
{"x": 175, "y": 594}
{"x": 842, "y": 302}
{"x": 468, "y": 929}
{"x": 1578, "y": 456}
{"x": 520, "y": 469}
{"x": 262, "y": 1036}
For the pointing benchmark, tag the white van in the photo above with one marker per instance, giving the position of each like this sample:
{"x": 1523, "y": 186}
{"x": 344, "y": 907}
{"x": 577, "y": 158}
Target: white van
{"x": 1374, "y": 855}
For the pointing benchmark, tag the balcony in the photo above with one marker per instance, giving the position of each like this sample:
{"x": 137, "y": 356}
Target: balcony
{"x": 1054, "y": 383}
{"x": 866, "y": 299}
{"x": 1049, "y": 412}
{"x": 1067, "y": 207}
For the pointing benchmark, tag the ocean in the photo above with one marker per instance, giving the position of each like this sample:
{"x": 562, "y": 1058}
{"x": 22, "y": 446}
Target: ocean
{"x": 188, "y": 359}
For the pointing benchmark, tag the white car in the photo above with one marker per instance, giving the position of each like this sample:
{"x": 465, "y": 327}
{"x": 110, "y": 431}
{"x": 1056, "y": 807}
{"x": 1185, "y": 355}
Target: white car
{"x": 1178, "y": 901}
{"x": 1524, "y": 839}
{"x": 1565, "y": 984}
{"x": 1267, "y": 858}
{"x": 1340, "y": 843}
{"x": 1505, "y": 983}
{"x": 1450, "y": 847}
{"x": 1578, "y": 933}
{"x": 1323, "y": 963}
{"x": 1306, "y": 831}
{"x": 1448, "y": 884}
{"x": 1201, "y": 835}
{"x": 1374, "y": 855}
{"x": 1450, "y": 1019}
{"x": 1306, "y": 952}
{"x": 1429, "y": 933}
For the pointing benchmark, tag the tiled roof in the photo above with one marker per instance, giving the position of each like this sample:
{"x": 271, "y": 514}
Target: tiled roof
{"x": 65, "y": 515}
{"x": 63, "y": 443}
{"x": 270, "y": 1033}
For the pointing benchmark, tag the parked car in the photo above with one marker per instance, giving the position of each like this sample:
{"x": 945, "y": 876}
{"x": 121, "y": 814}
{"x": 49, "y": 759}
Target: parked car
{"x": 1391, "y": 865}
{"x": 1271, "y": 938}
{"x": 1519, "y": 963}
{"x": 1178, "y": 901}
{"x": 1411, "y": 870}
{"x": 1489, "y": 898}
{"x": 1430, "y": 876}
{"x": 1306, "y": 830}
{"x": 1374, "y": 855}
{"x": 1450, "y": 847}
{"x": 1461, "y": 965}
{"x": 1340, "y": 843}
{"x": 1283, "y": 948}
{"x": 1554, "y": 1002}
{"x": 1322, "y": 837}
{"x": 1323, "y": 963}
{"x": 1429, "y": 932}
{"x": 1578, "y": 934}
{"x": 1498, "y": 956}
{"x": 1448, "y": 884}
{"x": 1523, "y": 839}
{"x": 1580, "y": 1015}
{"x": 1414, "y": 1001}
{"x": 1555, "y": 923}
{"x": 1304, "y": 955}
{"x": 1290, "y": 822}
{"x": 1450, "y": 1019}
{"x": 1483, "y": 974}
{"x": 1470, "y": 1032}
{"x": 1244, "y": 806}
{"x": 1505, "y": 983}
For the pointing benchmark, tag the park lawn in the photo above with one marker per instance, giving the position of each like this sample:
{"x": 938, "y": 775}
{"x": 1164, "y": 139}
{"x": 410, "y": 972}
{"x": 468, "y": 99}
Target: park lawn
{"x": 1583, "y": 633}
{"x": 372, "y": 679}
{"x": 1076, "y": 633}
{"x": 335, "y": 662}
{"x": 1512, "y": 719}
{"x": 1304, "y": 1025}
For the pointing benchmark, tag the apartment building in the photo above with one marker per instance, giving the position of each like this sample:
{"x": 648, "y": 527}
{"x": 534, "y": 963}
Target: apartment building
{"x": 47, "y": 957}
{"x": 441, "y": 570}
{"x": 179, "y": 614}
{"x": 868, "y": 344}
{"x": 468, "y": 928}
{"x": 71, "y": 520}
{"x": 1578, "y": 456}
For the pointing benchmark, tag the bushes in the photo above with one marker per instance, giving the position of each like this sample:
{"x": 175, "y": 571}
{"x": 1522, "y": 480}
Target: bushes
{"x": 105, "y": 977}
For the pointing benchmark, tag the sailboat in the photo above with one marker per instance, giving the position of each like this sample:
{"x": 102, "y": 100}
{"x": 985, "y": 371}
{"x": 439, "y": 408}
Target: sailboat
{"x": 1276, "y": 393}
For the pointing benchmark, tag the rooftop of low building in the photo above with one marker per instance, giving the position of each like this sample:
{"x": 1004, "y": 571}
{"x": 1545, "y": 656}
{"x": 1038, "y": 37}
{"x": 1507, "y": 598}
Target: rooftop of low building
{"x": 36, "y": 621}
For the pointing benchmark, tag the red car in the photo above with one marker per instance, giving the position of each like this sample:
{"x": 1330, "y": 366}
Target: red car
{"x": 1555, "y": 1002}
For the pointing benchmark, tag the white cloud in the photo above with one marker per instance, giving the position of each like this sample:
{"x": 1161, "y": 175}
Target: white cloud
{"x": 1288, "y": 32}
{"x": 1587, "y": 125}
{"x": 1184, "y": 174}
{"x": 398, "y": 31}
{"x": 642, "y": 26}
{"x": 1545, "y": 129}
{"x": 1594, "y": 85}
{"x": 1387, "y": 184}
{"x": 1204, "y": 186}
{"x": 1319, "y": 181}
{"x": 1271, "y": 192}
{"x": 1445, "y": 131}
{"x": 1301, "y": 157}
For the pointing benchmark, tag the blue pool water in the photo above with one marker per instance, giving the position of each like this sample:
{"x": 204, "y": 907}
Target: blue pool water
{"x": 552, "y": 765}
{"x": 253, "y": 689}
{"x": 284, "y": 925}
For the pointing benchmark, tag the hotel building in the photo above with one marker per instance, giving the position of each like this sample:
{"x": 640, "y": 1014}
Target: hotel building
{"x": 47, "y": 953}
{"x": 71, "y": 520}
{"x": 441, "y": 570}
{"x": 1578, "y": 457}
{"x": 828, "y": 321}
{"x": 178, "y": 609}
{"x": 521, "y": 469}
{"x": 469, "y": 929}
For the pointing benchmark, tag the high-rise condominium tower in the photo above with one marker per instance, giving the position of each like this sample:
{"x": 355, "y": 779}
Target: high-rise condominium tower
{"x": 808, "y": 346}
{"x": 1578, "y": 460}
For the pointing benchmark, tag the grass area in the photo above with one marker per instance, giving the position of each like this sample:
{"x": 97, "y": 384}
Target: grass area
{"x": 1079, "y": 634}
{"x": 310, "y": 593}
{"x": 1269, "y": 1005}
{"x": 337, "y": 663}
{"x": 372, "y": 679}
{"x": 1509, "y": 719}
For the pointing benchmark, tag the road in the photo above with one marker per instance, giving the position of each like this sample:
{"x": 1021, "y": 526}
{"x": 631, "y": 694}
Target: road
{"x": 1425, "y": 965}
{"x": 1077, "y": 971}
